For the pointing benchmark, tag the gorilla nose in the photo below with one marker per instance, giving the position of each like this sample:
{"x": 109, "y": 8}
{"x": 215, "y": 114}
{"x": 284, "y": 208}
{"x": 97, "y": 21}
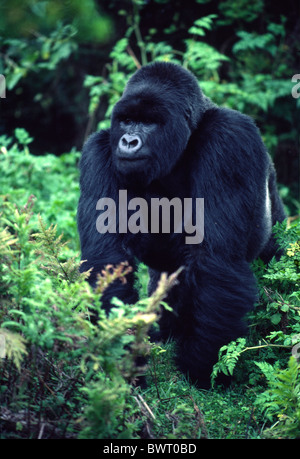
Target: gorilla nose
{"x": 129, "y": 144}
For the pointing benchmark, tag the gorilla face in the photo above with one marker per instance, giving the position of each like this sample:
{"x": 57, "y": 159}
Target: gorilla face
{"x": 145, "y": 140}
{"x": 150, "y": 129}
{"x": 134, "y": 143}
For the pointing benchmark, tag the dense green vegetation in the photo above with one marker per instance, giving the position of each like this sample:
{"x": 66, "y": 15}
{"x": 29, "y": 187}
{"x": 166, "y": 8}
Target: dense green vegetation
{"x": 61, "y": 374}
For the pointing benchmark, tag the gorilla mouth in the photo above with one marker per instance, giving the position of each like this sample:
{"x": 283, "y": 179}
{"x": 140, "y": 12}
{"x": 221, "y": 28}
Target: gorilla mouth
{"x": 129, "y": 164}
{"x": 132, "y": 159}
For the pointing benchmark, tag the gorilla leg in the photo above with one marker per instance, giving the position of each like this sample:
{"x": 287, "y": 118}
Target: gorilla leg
{"x": 211, "y": 314}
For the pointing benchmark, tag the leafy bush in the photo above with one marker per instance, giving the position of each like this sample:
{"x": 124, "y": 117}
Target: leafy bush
{"x": 274, "y": 336}
{"x": 23, "y": 175}
{"x": 70, "y": 373}
{"x": 282, "y": 400}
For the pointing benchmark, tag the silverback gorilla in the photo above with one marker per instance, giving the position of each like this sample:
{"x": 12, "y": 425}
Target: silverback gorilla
{"x": 167, "y": 140}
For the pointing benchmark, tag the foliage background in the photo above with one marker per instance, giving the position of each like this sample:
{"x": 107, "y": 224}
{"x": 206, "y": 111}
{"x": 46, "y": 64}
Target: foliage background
{"x": 66, "y": 64}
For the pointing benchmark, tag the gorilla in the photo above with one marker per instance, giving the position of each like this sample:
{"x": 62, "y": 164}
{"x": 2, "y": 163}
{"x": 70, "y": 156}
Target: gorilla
{"x": 167, "y": 140}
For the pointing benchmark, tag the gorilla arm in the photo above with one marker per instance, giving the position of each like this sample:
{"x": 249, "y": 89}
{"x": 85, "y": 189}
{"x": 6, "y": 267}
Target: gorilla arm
{"x": 99, "y": 250}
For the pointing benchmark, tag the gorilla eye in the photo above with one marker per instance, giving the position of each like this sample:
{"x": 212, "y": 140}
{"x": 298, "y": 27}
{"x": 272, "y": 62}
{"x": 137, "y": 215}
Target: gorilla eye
{"x": 127, "y": 121}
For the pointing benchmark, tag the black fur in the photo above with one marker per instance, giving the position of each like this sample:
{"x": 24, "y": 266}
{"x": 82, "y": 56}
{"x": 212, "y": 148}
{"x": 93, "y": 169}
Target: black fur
{"x": 194, "y": 149}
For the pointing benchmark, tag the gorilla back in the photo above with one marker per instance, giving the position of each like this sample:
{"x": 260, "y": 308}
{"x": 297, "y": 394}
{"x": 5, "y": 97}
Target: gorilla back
{"x": 167, "y": 140}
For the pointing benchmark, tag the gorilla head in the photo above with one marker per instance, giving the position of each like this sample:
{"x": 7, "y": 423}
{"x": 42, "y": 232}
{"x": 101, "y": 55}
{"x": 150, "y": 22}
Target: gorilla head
{"x": 152, "y": 123}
